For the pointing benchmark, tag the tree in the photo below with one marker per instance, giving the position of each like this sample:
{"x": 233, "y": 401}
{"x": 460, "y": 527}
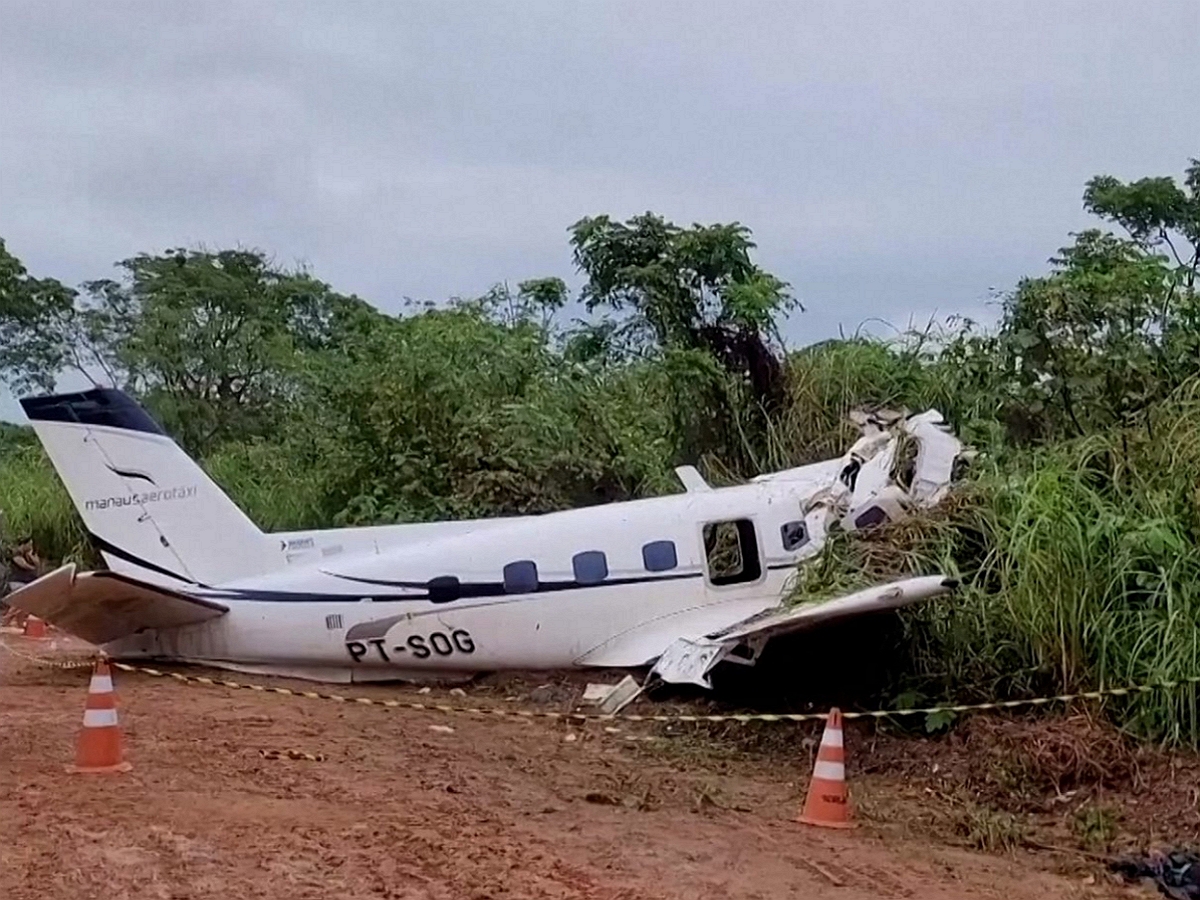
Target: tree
{"x": 468, "y": 410}
{"x": 1103, "y": 336}
{"x": 1111, "y": 331}
{"x": 213, "y": 342}
{"x": 40, "y": 334}
{"x": 1095, "y": 344}
{"x": 1156, "y": 212}
{"x": 685, "y": 289}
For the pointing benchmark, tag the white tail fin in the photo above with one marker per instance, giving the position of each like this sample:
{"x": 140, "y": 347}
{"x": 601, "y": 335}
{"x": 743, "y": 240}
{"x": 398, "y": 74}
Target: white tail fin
{"x": 152, "y": 510}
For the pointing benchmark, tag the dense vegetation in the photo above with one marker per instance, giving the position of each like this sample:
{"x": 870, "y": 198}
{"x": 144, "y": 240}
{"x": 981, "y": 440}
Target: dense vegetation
{"x": 1078, "y": 532}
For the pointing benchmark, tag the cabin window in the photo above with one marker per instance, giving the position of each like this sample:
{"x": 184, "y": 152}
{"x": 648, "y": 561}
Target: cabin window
{"x": 444, "y": 589}
{"x": 591, "y": 567}
{"x": 731, "y": 549}
{"x": 521, "y": 577}
{"x": 659, "y": 556}
{"x": 794, "y": 534}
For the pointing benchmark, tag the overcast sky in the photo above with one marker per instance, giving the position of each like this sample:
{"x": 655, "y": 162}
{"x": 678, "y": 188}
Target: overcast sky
{"x": 894, "y": 160}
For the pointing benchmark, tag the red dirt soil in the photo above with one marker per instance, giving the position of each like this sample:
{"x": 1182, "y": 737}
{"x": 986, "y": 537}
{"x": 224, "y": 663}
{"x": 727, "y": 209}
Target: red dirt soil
{"x": 497, "y": 808}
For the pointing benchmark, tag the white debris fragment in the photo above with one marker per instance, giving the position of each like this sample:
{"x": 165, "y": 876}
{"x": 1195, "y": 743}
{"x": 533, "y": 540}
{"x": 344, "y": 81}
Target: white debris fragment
{"x": 937, "y": 453}
{"x": 457, "y": 692}
{"x": 620, "y": 696}
{"x": 595, "y": 693}
{"x": 441, "y": 729}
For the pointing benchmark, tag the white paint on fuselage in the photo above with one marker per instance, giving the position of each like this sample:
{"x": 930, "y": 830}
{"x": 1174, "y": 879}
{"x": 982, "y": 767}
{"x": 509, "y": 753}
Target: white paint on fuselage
{"x": 605, "y": 625}
{"x": 382, "y": 602}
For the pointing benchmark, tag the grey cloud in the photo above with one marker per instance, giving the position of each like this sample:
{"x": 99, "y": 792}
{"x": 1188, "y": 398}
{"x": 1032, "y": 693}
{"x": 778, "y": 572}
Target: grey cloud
{"x": 892, "y": 159}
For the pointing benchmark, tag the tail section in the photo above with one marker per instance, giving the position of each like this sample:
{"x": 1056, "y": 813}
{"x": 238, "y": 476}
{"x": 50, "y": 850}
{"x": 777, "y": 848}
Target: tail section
{"x": 104, "y": 606}
{"x": 151, "y": 509}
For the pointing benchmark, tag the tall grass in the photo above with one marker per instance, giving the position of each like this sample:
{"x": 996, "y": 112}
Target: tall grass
{"x": 33, "y": 503}
{"x": 1081, "y": 568}
{"x": 1080, "y": 561}
{"x": 278, "y": 490}
{"x": 826, "y": 381}
{"x": 1095, "y": 564}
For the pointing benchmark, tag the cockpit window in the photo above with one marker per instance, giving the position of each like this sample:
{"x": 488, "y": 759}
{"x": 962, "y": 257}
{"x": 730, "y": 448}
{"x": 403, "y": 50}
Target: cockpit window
{"x": 794, "y": 535}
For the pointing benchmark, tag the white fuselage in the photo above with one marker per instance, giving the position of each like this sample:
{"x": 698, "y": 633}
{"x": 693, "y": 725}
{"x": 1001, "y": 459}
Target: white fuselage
{"x": 681, "y": 578}
{"x": 355, "y": 603}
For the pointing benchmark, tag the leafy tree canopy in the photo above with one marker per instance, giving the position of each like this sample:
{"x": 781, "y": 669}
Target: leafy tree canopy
{"x": 40, "y": 334}
{"x": 684, "y": 288}
{"x": 1114, "y": 327}
{"x": 212, "y": 341}
{"x": 1156, "y": 212}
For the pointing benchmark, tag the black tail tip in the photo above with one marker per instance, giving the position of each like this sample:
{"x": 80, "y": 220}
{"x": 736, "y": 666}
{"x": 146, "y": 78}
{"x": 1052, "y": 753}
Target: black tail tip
{"x": 100, "y": 406}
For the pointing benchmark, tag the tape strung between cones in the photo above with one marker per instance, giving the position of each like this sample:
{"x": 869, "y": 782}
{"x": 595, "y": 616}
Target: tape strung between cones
{"x": 660, "y": 717}
{"x": 686, "y": 718}
{"x": 51, "y": 663}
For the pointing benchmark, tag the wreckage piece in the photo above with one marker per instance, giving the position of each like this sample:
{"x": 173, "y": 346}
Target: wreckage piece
{"x": 612, "y": 698}
{"x": 690, "y": 661}
{"x": 685, "y": 581}
{"x": 1176, "y": 873}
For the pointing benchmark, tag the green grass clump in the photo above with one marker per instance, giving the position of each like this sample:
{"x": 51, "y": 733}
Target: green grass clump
{"x": 1081, "y": 569}
{"x": 34, "y": 503}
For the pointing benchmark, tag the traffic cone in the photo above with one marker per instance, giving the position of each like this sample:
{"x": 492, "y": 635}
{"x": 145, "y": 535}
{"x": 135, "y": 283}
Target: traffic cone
{"x": 99, "y": 747}
{"x": 34, "y": 628}
{"x": 828, "y": 803}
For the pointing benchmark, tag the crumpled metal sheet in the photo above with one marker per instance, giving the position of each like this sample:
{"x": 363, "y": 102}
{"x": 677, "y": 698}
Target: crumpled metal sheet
{"x": 871, "y": 493}
{"x": 1175, "y": 873}
{"x": 858, "y": 491}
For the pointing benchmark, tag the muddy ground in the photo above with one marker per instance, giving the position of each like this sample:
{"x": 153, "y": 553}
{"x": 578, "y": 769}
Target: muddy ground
{"x": 410, "y": 804}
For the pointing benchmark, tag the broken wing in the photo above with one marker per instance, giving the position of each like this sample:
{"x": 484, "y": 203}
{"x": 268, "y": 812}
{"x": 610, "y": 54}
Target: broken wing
{"x": 689, "y": 661}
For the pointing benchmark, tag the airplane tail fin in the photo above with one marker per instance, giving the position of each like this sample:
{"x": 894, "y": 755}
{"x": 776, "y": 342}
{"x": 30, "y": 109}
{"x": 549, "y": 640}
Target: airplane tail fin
{"x": 152, "y": 511}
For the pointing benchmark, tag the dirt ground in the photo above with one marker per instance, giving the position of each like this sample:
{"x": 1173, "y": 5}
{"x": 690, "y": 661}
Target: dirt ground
{"x": 401, "y": 806}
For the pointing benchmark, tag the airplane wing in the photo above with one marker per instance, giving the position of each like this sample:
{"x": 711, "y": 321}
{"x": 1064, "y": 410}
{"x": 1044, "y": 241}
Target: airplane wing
{"x": 103, "y": 606}
{"x": 689, "y": 661}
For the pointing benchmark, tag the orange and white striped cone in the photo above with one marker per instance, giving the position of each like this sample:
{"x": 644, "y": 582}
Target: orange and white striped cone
{"x": 99, "y": 748}
{"x": 828, "y": 802}
{"x": 34, "y": 628}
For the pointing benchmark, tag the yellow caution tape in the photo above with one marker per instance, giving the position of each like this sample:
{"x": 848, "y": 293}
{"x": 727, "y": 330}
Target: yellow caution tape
{"x": 50, "y": 663}
{"x": 528, "y": 714}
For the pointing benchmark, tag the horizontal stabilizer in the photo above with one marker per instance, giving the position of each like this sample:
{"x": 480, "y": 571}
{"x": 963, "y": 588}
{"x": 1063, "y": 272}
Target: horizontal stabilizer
{"x": 102, "y": 606}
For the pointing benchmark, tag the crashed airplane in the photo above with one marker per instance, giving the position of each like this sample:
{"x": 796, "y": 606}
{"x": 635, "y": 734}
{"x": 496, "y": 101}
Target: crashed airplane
{"x": 680, "y": 583}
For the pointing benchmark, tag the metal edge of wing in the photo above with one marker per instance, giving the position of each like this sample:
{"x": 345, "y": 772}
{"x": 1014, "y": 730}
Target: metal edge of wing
{"x": 781, "y": 621}
{"x": 154, "y": 588}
